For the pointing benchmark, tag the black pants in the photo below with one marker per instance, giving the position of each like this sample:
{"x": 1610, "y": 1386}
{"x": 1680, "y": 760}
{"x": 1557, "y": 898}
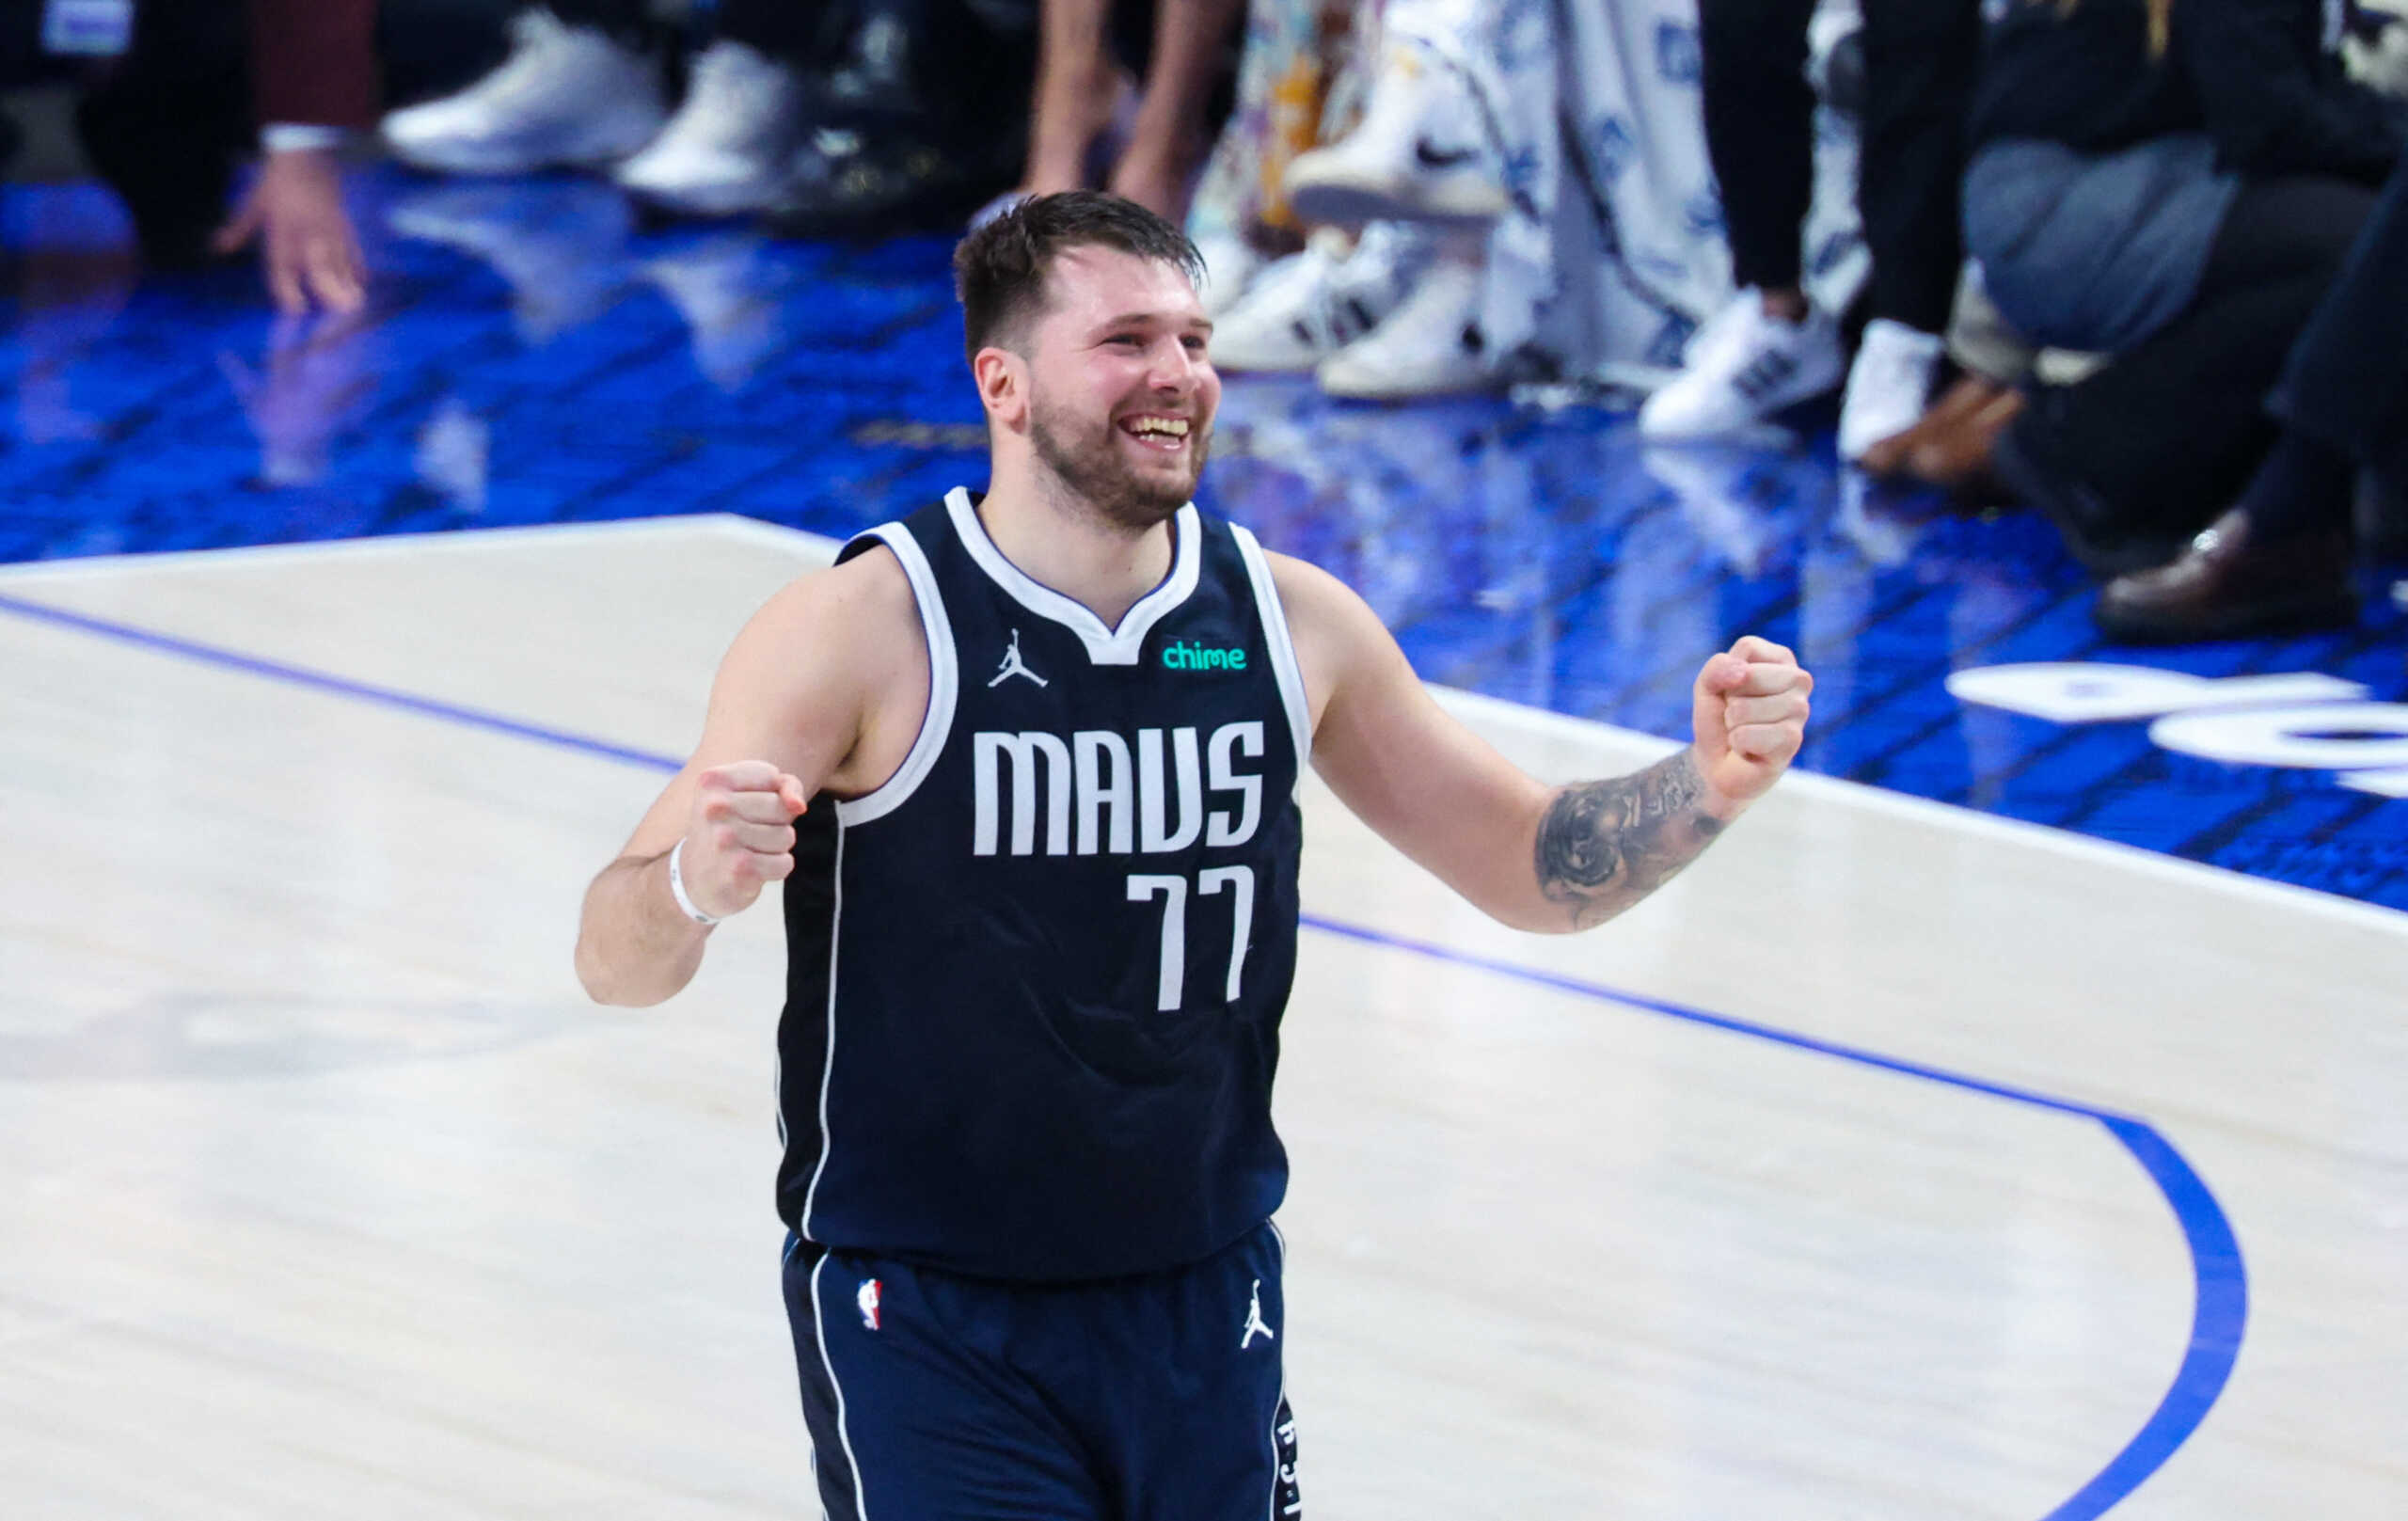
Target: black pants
{"x": 201, "y": 47}
{"x": 166, "y": 123}
{"x": 2345, "y": 381}
{"x": 2164, "y": 438}
{"x": 1918, "y": 62}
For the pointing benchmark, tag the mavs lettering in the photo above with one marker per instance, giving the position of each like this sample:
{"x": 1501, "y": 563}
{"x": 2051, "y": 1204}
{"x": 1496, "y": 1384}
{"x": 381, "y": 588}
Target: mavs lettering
{"x": 1147, "y": 798}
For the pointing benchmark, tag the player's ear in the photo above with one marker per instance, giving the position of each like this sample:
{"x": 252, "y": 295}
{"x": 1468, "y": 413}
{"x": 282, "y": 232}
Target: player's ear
{"x": 1003, "y": 382}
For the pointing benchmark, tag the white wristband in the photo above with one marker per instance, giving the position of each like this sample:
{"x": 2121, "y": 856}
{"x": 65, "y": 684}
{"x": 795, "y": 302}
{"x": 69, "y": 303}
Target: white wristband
{"x": 300, "y": 137}
{"x": 678, "y": 889}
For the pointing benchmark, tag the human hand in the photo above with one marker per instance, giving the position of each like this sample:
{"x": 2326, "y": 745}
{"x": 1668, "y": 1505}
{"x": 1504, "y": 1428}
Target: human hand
{"x": 740, "y": 835}
{"x": 1748, "y": 715}
{"x": 296, "y": 211}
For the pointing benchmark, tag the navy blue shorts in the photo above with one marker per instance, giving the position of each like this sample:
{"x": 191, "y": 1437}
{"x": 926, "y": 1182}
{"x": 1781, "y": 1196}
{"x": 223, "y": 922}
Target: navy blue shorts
{"x": 937, "y": 1398}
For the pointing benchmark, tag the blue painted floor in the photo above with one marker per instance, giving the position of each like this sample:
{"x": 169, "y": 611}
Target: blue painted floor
{"x": 534, "y": 357}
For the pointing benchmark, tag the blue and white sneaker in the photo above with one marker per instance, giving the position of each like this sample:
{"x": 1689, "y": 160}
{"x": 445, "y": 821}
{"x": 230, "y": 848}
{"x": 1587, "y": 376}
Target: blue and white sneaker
{"x": 1306, "y": 306}
{"x": 1742, "y": 367}
{"x": 1424, "y": 151}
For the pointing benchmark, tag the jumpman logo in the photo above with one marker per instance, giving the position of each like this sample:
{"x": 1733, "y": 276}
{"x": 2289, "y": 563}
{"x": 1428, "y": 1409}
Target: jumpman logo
{"x": 1013, "y": 666}
{"x": 1254, "y": 1321}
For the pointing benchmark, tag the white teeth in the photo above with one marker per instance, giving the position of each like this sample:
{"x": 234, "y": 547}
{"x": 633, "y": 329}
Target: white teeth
{"x": 1175, "y": 427}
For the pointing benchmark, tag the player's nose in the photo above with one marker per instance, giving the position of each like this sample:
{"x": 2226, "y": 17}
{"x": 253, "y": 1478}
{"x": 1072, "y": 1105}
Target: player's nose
{"x": 1177, "y": 370}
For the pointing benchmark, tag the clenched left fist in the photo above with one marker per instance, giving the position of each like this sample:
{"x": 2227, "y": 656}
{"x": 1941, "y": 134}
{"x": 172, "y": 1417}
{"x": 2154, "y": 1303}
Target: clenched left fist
{"x": 1749, "y": 718}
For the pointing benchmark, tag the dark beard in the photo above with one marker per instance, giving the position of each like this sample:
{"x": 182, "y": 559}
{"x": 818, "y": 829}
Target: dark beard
{"x": 1097, "y": 474}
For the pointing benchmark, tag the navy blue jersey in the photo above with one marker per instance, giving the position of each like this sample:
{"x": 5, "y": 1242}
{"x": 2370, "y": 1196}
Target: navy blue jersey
{"x": 1033, "y": 981}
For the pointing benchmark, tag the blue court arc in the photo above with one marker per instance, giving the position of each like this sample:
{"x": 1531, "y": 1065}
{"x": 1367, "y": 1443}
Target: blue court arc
{"x": 2219, "y": 1278}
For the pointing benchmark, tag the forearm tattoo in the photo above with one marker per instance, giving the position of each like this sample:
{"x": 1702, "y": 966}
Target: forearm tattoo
{"x": 1603, "y": 845}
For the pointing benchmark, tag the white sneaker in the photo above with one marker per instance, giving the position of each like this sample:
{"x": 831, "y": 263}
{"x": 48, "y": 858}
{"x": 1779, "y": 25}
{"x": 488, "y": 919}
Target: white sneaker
{"x": 1230, "y": 264}
{"x": 725, "y": 151}
{"x": 1306, "y": 306}
{"x": 1429, "y": 346}
{"x": 1743, "y": 367}
{"x": 1889, "y": 387}
{"x": 1424, "y": 153}
{"x": 566, "y": 97}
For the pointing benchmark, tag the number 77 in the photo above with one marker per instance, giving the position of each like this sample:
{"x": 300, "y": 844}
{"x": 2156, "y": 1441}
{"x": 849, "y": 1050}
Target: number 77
{"x": 1173, "y": 890}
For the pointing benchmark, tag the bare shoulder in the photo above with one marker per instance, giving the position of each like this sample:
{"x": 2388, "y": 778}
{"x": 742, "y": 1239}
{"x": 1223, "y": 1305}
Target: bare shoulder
{"x": 827, "y": 682}
{"x": 1334, "y": 631}
{"x": 1301, "y": 581}
{"x": 846, "y": 614}
{"x": 825, "y": 672}
{"x": 869, "y": 589}
{"x": 1313, "y": 595}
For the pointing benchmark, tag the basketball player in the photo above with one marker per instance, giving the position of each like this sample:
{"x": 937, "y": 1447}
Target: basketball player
{"x": 1027, "y": 765}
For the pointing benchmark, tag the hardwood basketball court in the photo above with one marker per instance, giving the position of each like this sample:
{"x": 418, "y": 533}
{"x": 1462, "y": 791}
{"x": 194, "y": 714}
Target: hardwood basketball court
{"x": 1888, "y": 1165}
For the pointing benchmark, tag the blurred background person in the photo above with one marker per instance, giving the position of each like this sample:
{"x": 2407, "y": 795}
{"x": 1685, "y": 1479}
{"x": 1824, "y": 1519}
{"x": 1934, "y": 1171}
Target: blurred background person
{"x": 1499, "y": 194}
{"x": 585, "y": 87}
{"x": 834, "y": 116}
{"x": 2283, "y": 555}
{"x": 1296, "y": 59}
{"x": 1450, "y": 91}
{"x": 1771, "y": 348}
{"x": 170, "y": 103}
{"x": 1084, "y": 97}
{"x": 918, "y": 114}
{"x": 1392, "y": 137}
{"x": 2183, "y": 186}
{"x": 314, "y": 84}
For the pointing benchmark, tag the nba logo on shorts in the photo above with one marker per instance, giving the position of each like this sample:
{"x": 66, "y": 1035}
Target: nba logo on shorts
{"x": 867, "y": 1299}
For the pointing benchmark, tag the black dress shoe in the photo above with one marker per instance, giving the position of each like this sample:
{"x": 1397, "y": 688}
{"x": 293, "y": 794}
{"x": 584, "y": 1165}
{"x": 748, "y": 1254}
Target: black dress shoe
{"x": 876, "y": 77}
{"x": 920, "y": 111}
{"x": 853, "y": 184}
{"x": 2226, "y": 585}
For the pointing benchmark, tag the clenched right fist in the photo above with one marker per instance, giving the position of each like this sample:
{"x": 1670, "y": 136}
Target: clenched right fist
{"x": 740, "y": 834}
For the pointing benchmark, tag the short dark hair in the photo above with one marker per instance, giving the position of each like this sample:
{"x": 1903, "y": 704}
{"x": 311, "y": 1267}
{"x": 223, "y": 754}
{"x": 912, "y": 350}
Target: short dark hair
{"x": 999, "y": 271}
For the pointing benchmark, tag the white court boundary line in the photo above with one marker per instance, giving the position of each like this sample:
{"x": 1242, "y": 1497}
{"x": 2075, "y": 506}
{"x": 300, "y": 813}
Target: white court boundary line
{"x": 1905, "y": 806}
{"x": 818, "y": 550}
{"x": 816, "y": 547}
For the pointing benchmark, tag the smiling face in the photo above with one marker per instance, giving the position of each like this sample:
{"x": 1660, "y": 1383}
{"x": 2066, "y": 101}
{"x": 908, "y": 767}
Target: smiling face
{"x": 1121, "y": 391}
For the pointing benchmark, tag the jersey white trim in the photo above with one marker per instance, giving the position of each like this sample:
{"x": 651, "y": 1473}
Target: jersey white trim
{"x": 844, "y": 1435}
{"x": 944, "y": 679}
{"x": 1283, "y": 649}
{"x": 828, "y": 1065}
{"x": 1271, "y": 1511}
{"x": 1105, "y": 646}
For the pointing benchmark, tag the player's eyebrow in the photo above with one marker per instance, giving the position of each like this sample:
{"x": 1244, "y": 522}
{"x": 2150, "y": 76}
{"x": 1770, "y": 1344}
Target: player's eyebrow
{"x": 1199, "y": 322}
